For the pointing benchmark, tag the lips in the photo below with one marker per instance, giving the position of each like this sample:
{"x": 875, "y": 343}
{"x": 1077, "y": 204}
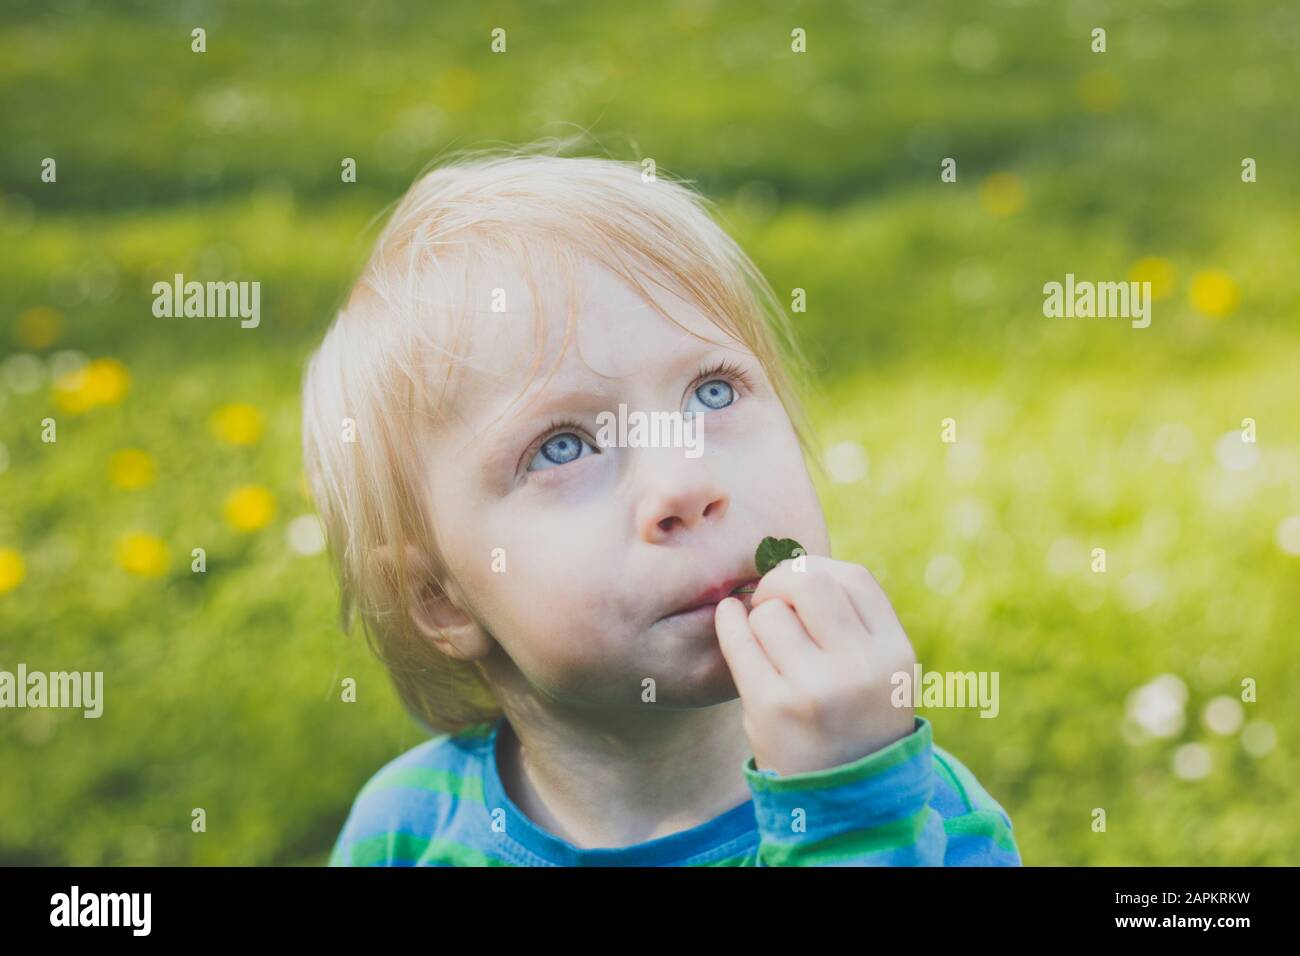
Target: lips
{"x": 714, "y": 595}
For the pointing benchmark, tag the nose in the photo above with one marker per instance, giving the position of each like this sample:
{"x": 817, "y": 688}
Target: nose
{"x": 684, "y": 500}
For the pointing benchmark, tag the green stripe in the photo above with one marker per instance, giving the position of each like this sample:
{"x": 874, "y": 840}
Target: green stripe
{"x": 946, "y": 771}
{"x": 984, "y": 816}
{"x": 390, "y": 848}
{"x": 971, "y": 790}
{"x": 985, "y": 823}
{"x": 747, "y": 859}
{"x": 434, "y": 781}
{"x": 895, "y": 835}
{"x": 864, "y": 768}
{"x": 947, "y": 761}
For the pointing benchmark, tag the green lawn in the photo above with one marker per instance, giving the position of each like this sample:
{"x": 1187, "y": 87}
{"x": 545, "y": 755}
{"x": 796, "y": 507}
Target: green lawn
{"x": 924, "y": 303}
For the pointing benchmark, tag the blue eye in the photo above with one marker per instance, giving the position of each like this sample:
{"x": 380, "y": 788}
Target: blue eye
{"x": 565, "y": 443}
{"x": 716, "y": 394}
{"x": 558, "y": 450}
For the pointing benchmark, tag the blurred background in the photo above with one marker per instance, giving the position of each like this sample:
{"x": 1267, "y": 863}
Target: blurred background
{"x": 1119, "y": 690}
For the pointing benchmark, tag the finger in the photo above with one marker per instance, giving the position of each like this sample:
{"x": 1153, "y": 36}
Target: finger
{"x": 820, "y": 600}
{"x": 786, "y": 642}
{"x": 864, "y": 593}
{"x": 749, "y": 665}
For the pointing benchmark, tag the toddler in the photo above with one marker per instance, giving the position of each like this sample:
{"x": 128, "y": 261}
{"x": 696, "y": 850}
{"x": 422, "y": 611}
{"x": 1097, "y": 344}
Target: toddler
{"x": 560, "y": 610}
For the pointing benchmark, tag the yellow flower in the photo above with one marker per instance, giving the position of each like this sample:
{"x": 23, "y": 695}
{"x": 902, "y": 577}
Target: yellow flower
{"x": 101, "y": 382}
{"x": 249, "y": 508}
{"x": 131, "y": 468}
{"x": 107, "y": 381}
{"x": 1001, "y": 194}
{"x": 1159, "y": 272}
{"x": 141, "y": 554}
{"x": 12, "y": 569}
{"x": 1099, "y": 92}
{"x": 238, "y": 424}
{"x": 39, "y": 328}
{"x": 1214, "y": 293}
{"x": 70, "y": 393}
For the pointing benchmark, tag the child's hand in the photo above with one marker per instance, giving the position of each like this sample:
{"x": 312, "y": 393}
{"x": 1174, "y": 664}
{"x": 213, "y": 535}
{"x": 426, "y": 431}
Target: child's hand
{"x": 813, "y": 661}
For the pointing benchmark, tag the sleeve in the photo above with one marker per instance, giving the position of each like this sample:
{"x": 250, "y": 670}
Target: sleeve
{"x": 341, "y": 853}
{"x": 370, "y": 836}
{"x": 338, "y": 856}
{"x": 907, "y": 804}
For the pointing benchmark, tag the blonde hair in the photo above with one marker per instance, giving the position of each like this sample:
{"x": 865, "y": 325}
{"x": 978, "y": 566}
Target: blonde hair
{"x": 371, "y": 373}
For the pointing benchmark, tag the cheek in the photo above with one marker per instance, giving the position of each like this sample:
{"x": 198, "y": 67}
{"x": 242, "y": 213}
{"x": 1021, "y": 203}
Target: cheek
{"x": 784, "y": 491}
{"x": 770, "y": 457}
{"x": 557, "y": 556}
{"x": 555, "y": 601}
{"x": 541, "y": 582}
{"x": 561, "y": 638}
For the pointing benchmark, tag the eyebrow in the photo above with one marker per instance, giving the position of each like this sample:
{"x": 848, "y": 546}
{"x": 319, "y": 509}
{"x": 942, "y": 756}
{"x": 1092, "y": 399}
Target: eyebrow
{"x": 503, "y": 440}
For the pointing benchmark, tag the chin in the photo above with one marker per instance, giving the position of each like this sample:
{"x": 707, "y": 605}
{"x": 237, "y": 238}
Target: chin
{"x": 704, "y": 685}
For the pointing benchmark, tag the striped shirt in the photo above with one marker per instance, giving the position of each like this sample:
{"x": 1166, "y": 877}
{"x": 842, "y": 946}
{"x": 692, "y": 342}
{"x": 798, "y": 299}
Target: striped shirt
{"x": 911, "y": 803}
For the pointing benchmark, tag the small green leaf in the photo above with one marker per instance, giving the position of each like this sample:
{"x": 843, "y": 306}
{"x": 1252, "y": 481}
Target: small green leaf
{"x": 772, "y": 551}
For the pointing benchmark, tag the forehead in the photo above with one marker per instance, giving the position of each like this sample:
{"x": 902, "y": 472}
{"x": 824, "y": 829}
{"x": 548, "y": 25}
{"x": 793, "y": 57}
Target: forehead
{"x": 615, "y": 333}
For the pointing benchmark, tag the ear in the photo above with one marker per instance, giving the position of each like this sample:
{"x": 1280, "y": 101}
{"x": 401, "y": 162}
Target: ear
{"x": 437, "y": 613}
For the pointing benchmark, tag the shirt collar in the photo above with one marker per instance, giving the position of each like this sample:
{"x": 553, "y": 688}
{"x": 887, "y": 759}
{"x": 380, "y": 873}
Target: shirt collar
{"x": 674, "y": 849}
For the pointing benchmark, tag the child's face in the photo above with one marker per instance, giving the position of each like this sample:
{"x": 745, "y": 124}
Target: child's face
{"x": 601, "y": 544}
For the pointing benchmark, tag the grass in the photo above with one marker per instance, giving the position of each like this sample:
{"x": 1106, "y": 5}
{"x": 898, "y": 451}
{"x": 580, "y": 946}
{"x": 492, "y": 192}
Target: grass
{"x": 924, "y": 304}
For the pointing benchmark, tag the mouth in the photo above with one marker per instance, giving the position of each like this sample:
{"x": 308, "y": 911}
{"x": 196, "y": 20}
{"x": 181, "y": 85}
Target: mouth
{"x": 708, "y": 600}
